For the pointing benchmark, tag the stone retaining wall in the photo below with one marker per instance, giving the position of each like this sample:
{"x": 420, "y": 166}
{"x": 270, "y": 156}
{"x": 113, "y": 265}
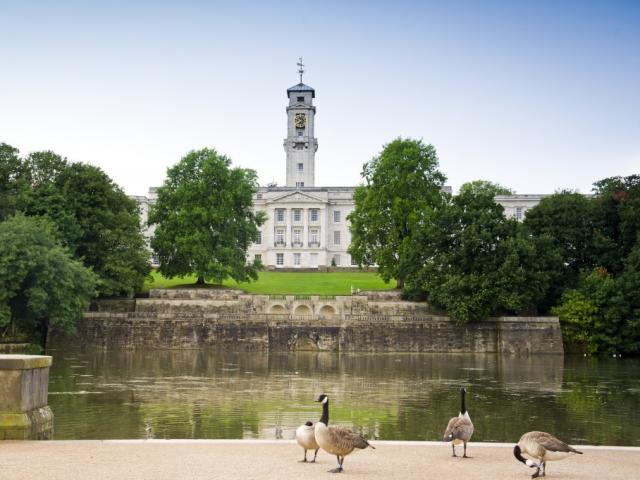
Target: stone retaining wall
{"x": 231, "y": 320}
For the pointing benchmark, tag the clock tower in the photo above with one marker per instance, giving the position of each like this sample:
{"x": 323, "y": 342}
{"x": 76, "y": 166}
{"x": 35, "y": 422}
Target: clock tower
{"x": 300, "y": 144}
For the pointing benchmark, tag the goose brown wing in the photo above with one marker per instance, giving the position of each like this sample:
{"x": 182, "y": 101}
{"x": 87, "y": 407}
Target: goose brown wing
{"x": 552, "y": 444}
{"x": 346, "y": 439}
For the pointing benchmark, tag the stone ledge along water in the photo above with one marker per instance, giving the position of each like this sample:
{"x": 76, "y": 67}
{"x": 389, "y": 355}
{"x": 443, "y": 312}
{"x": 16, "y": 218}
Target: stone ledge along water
{"x": 368, "y": 322}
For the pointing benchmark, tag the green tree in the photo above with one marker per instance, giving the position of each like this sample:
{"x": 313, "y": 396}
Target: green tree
{"x": 577, "y": 315}
{"x": 14, "y": 184}
{"x": 618, "y": 201}
{"x": 479, "y": 263}
{"x": 481, "y": 186}
{"x": 403, "y": 187}
{"x": 94, "y": 218}
{"x": 205, "y": 220}
{"x": 576, "y": 227}
{"x": 40, "y": 283}
{"x": 109, "y": 238}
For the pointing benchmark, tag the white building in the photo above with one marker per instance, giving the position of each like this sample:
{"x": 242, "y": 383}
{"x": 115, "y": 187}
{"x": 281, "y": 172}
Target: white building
{"x": 307, "y": 226}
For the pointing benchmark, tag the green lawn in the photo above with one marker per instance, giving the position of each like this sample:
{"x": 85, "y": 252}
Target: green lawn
{"x": 291, "y": 283}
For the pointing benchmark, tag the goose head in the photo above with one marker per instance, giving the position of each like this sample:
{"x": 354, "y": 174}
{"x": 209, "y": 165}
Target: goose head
{"x": 518, "y": 454}
{"x": 322, "y": 398}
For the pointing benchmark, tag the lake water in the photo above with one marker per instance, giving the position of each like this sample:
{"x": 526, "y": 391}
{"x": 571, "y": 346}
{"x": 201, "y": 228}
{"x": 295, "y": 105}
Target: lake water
{"x": 206, "y": 394}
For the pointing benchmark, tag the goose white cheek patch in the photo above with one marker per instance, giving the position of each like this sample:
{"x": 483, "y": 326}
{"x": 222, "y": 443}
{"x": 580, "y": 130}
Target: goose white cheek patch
{"x": 326, "y": 399}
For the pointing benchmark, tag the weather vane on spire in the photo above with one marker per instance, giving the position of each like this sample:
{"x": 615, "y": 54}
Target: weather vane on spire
{"x": 301, "y": 69}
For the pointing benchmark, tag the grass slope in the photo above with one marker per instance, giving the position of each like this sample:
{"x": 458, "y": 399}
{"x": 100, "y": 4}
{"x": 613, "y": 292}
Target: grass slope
{"x": 289, "y": 283}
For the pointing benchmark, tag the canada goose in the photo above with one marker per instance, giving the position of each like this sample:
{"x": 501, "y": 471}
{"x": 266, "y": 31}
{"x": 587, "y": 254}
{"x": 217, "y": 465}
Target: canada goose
{"x": 460, "y": 428}
{"x": 306, "y": 438}
{"x": 542, "y": 447}
{"x": 338, "y": 441}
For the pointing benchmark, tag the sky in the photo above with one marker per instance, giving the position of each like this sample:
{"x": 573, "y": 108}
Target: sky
{"x": 537, "y": 96}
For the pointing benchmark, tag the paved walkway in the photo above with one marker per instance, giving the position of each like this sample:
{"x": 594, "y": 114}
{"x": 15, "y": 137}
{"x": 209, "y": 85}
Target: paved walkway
{"x": 246, "y": 459}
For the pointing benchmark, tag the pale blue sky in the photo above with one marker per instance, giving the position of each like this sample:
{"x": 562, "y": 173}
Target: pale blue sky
{"x": 534, "y": 95}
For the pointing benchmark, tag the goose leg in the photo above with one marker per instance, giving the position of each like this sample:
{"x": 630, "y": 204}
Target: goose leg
{"x": 465, "y": 451}
{"x": 314, "y": 456}
{"x": 537, "y": 474}
{"x": 544, "y": 469}
{"x": 338, "y": 469}
{"x": 453, "y": 447}
{"x": 304, "y": 460}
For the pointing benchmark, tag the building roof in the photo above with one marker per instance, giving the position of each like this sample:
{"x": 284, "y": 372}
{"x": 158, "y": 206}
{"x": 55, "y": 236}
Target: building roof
{"x": 301, "y": 87}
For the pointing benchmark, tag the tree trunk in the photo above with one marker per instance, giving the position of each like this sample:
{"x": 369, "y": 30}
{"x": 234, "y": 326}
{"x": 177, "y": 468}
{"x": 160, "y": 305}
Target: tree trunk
{"x": 200, "y": 280}
{"x": 399, "y": 283}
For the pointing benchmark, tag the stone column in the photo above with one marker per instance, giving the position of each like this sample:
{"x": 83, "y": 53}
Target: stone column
{"x": 24, "y": 388}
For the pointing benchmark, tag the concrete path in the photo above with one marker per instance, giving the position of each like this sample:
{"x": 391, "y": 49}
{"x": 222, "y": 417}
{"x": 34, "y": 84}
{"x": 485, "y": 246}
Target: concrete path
{"x": 271, "y": 460}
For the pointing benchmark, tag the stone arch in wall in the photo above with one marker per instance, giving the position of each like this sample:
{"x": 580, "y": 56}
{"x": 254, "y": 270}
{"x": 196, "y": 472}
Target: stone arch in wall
{"x": 306, "y": 343}
{"x": 277, "y": 309}
{"x": 302, "y": 310}
{"x": 327, "y": 311}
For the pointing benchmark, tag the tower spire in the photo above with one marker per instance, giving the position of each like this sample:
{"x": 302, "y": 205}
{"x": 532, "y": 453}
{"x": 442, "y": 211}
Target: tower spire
{"x": 301, "y": 68}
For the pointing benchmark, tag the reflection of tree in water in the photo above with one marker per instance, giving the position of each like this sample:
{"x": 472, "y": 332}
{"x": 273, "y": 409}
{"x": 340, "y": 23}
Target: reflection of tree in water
{"x": 204, "y": 394}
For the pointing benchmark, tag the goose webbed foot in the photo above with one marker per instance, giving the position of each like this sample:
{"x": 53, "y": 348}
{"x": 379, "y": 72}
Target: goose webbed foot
{"x": 304, "y": 460}
{"x": 466, "y": 456}
{"x": 454, "y": 450}
{"x": 537, "y": 474}
{"x": 339, "y": 468}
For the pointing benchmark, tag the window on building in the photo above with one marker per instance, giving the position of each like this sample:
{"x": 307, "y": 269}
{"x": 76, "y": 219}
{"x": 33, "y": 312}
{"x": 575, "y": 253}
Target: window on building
{"x": 257, "y": 257}
{"x": 314, "y": 214}
{"x": 313, "y": 236}
{"x": 519, "y": 213}
{"x": 259, "y": 196}
{"x": 336, "y": 237}
{"x": 300, "y": 167}
{"x": 297, "y": 236}
{"x": 259, "y": 238}
{"x": 297, "y": 215}
{"x": 279, "y": 258}
{"x": 299, "y": 184}
{"x": 353, "y": 262}
{"x": 296, "y": 259}
{"x": 280, "y": 215}
{"x": 301, "y": 99}
{"x": 336, "y": 260}
{"x": 279, "y": 236}
{"x": 336, "y": 216}
{"x": 300, "y": 132}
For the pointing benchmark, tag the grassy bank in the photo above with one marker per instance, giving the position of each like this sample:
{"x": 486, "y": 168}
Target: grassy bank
{"x": 291, "y": 283}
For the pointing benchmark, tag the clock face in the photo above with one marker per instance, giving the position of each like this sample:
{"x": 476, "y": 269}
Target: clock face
{"x": 300, "y": 120}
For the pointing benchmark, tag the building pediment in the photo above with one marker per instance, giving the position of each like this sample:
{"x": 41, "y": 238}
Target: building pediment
{"x": 296, "y": 197}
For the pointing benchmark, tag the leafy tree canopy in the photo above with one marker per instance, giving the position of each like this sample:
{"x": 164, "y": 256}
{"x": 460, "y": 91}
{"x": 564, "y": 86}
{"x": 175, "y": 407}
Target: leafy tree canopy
{"x": 403, "y": 187}
{"x": 479, "y": 186}
{"x": 40, "y": 283}
{"x": 14, "y": 184}
{"x": 93, "y": 217}
{"x": 478, "y": 262}
{"x": 205, "y": 220}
